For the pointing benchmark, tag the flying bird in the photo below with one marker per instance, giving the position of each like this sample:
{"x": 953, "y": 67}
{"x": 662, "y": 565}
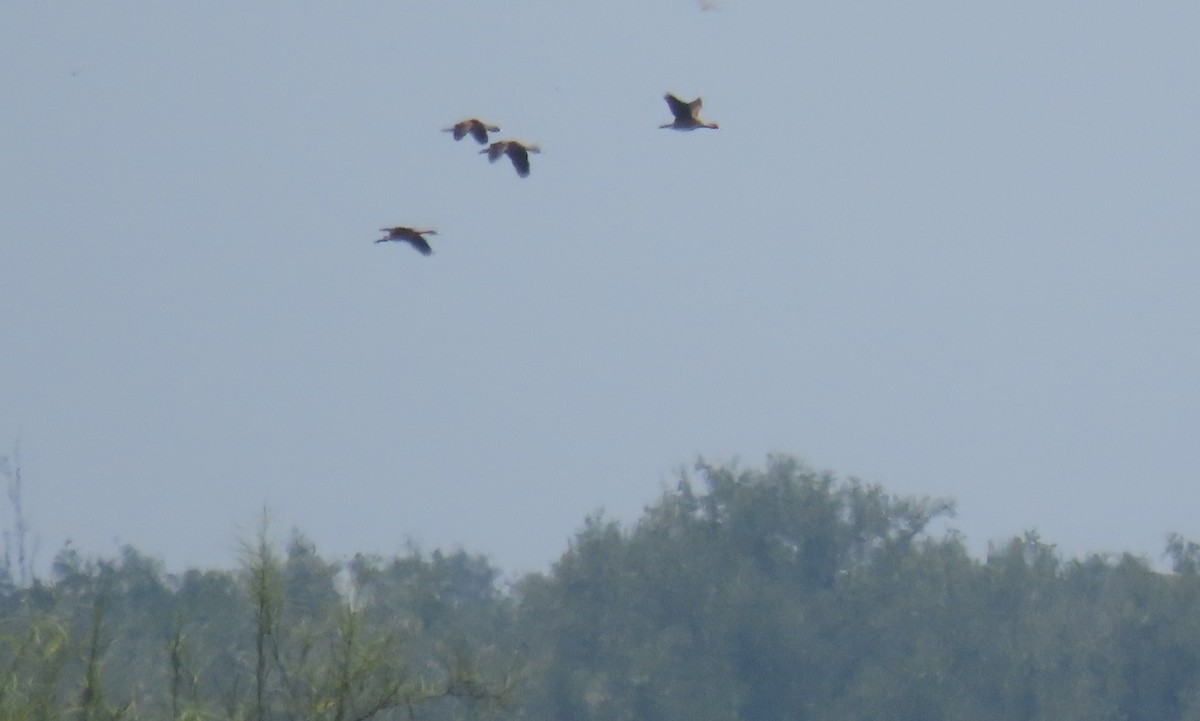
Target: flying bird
{"x": 474, "y": 127}
{"x": 412, "y": 236}
{"x": 687, "y": 115}
{"x": 517, "y": 152}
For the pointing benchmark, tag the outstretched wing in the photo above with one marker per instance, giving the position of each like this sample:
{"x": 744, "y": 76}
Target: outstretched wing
{"x": 419, "y": 243}
{"x": 479, "y": 131}
{"x": 679, "y": 109}
{"x": 495, "y": 150}
{"x": 520, "y": 159}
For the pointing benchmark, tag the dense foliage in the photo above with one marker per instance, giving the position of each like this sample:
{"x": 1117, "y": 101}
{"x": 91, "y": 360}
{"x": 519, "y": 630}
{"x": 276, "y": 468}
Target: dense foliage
{"x": 770, "y": 595}
{"x": 284, "y": 637}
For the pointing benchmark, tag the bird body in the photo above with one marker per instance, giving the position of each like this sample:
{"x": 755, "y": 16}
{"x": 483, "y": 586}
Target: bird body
{"x": 474, "y": 127}
{"x": 412, "y": 236}
{"x": 687, "y": 115}
{"x": 516, "y": 151}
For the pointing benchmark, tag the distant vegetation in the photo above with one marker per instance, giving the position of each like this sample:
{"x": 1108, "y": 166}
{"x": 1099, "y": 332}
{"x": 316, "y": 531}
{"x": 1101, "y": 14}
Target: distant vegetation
{"x": 779, "y": 594}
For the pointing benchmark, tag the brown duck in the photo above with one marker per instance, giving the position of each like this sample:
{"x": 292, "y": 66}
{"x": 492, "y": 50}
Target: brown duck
{"x": 412, "y": 236}
{"x": 687, "y": 115}
{"x": 517, "y": 152}
{"x": 474, "y": 127}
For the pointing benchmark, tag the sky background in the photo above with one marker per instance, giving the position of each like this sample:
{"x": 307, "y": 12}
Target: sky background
{"x": 949, "y": 248}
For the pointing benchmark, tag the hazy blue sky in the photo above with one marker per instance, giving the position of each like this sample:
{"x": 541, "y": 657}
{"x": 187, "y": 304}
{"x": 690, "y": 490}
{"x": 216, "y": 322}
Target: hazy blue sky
{"x": 950, "y": 248}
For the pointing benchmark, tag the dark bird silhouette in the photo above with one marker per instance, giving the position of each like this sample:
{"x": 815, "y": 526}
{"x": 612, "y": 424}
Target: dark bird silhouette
{"x": 517, "y": 152}
{"x": 474, "y": 127}
{"x": 687, "y": 115}
{"x": 412, "y": 236}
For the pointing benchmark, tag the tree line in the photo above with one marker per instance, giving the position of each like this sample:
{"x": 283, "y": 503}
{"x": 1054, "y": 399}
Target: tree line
{"x": 772, "y": 594}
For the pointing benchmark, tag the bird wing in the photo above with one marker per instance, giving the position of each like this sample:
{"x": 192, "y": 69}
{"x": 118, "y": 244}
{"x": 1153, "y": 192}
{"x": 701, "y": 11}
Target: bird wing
{"x": 419, "y": 243}
{"x": 479, "y": 131}
{"x": 520, "y": 158}
{"x": 694, "y": 106}
{"x": 495, "y": 150}
{"x": 679, "y": 108}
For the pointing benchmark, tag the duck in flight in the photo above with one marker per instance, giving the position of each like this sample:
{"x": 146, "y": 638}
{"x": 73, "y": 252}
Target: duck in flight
{"x": 687, "y": 115}
{"x": 412, "y": 236}
{"x": 517, "y": 152}
{"x": 474, "y": 127}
